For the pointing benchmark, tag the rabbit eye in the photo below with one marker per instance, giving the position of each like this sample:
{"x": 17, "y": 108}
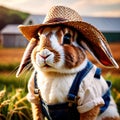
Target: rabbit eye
{"x": 67, "y": 39}
{"x": 37, "y": 37}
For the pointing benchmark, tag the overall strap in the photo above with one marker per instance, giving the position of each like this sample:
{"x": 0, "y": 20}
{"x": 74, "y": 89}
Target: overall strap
{"x": 36, "y": 89}
{"x": 72, "y": 95}
{"x": 106, "y": 98}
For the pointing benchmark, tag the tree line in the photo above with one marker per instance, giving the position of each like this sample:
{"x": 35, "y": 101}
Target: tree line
{"x": 9, "y": 16}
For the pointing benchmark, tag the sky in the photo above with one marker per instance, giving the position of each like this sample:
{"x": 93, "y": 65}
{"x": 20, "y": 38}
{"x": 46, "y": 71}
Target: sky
{"x": 104, "y": 8}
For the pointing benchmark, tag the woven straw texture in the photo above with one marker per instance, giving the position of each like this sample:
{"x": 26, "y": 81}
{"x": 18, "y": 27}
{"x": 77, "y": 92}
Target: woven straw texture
{"x": 62, "y": 12}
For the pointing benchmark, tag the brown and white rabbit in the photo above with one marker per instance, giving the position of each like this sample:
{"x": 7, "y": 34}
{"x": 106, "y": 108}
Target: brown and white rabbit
{"x": 57, "y": 53}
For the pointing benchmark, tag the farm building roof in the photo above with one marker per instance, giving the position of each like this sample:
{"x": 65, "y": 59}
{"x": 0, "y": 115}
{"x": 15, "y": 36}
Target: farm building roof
{"x": 10, "y": 29}
{"x": 34, "y": 19}
{"x": 104, "y": 24}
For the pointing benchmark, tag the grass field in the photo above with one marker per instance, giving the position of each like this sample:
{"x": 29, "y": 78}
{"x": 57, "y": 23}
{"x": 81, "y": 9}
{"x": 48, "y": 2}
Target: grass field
{"x": 13, "y": 103}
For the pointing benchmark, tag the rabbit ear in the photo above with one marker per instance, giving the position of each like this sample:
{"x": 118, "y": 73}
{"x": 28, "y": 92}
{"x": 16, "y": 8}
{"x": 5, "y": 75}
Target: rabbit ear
{"x": 26, "y": 56}
{"x": 100, "y": 49}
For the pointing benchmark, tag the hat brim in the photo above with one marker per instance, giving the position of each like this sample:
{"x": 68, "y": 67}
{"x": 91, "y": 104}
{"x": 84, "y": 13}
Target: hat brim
{"x": 88, "y": 30}
{"x": 94, "y": 39}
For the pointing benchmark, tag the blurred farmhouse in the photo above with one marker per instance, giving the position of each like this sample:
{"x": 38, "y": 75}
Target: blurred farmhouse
{"x": 11, "y": 36}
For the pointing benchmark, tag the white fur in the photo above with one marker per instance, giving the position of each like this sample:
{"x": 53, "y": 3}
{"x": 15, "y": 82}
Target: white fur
{"x": 56, "y": 46}
{"x": 75, "y": 69}
{"x": 54, "y": 88}
{"x": 40, "y": 61}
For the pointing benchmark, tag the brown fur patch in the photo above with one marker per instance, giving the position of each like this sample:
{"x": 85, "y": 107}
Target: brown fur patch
{"x": 45, "y": 42}
{"x": 73, "y": 56}
{"x": 59, "y": 35}
{"x": 57, "y": 55}
{"x": 37, "y": 113}
{"x": 90, "y": 115}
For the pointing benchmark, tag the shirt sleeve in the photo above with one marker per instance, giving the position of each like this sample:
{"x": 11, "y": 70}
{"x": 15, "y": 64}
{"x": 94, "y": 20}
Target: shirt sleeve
{"x": 89, "y": 94}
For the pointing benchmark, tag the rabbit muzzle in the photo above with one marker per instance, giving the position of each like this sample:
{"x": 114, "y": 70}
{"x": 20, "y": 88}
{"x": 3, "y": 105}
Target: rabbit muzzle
{"x": 44, "y": 58}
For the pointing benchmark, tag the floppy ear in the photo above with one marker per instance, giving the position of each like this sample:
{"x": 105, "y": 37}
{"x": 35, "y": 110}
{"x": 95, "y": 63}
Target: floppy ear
{"x": 98, "y": 46}
{"x": 26, "y": 56}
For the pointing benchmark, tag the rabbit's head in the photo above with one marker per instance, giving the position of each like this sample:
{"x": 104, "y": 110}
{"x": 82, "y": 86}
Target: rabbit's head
{"x": 57, "y": 50}
{"x": 60, "y": 47}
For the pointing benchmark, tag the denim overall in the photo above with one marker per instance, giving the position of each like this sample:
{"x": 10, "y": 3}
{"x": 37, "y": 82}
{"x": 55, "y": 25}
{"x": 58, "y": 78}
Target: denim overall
{"x": 68, "y": 110}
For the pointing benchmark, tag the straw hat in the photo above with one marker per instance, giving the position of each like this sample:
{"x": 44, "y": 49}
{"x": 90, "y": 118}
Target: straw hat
{"x": 94, "y": 40}
{"x": 63, "y": 15}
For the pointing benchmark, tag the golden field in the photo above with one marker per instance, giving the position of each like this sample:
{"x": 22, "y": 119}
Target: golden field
{"x": 14, "y": 55}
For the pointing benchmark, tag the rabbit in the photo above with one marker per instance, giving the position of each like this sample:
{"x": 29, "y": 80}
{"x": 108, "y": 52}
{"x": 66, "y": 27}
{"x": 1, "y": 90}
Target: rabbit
{"x": 64, "y": 84}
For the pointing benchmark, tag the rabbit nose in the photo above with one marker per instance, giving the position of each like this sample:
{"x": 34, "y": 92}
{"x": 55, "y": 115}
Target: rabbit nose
{"x": 44, "y": 56}
{"x": 45, "y": 53}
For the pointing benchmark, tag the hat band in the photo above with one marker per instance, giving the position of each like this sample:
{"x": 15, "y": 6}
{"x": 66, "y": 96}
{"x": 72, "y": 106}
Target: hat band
{"x": 56, "y": 20}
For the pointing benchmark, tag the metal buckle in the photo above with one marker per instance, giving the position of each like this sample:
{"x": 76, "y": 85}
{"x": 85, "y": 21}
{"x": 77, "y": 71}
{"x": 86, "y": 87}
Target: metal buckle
{"x": 72, "y": 100}
{"x": 36, "y": 91}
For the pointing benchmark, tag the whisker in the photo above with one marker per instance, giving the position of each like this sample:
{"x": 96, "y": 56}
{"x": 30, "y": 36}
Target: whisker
{"x": 25, "y": 75}
{"x": 28, "y": 66}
